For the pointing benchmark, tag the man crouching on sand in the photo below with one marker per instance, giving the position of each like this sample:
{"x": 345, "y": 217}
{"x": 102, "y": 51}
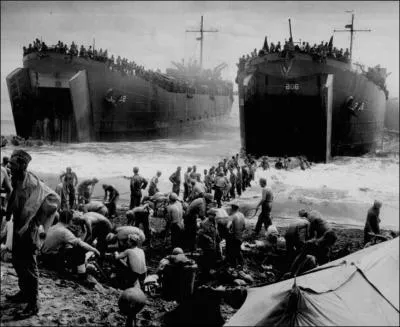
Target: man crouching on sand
{"x": 32, "y": 203}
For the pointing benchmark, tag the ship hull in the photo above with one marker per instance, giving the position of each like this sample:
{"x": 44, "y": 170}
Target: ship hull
{"x": 68, "y": 100}
{"x": 296, "y": 106}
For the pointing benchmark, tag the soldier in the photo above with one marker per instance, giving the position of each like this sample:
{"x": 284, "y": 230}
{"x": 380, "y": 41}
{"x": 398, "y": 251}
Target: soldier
{"x": 239, "y": 180}
{"x": 69, "y": 180}
{"x": 140, "y": 215}
{"x": 208, "y": 181}
{"x": 208, "y": 241}
{"x": 193, "y": 174}
{"x": 82, "y": 51}
{"x": 196, "y": 209}
{"x": 236, "y": 227}
{"x": 266, "y": 205}
{"x": 85, "y": 190}
{"x": 221, "y": 186}
{"x": 318, "y": 225}
{"x": 175, "y": 220}
{"x": 175, "y": 179}
{"x": 153, "y": 189}
{"x": 97, "y": 228}
{"x": 32, "y": 203}
{"x": 198, "y": 190}
{"x": 138, "y": 183}
{"x": 111, "y": 196}
{"x": 372, "y": 221}
{"x": 186, "y": 183}
{"x": 90, "y": 52}
{"x": 232, "y": 181}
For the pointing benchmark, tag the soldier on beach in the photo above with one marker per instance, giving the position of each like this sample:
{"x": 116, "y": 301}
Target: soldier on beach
{"x": 175, "y": 179}
{"x": 186, "y": 183}
{"x": 153, "y": 189}
{"x": 32, "y": 203}
{"x": 196, "y": 209}
{"x": 266, "y": 205}
{"x": 63, "y": 250}
{"x": 85, "y": 190}
{"x": 318, "y": 225}
{"x": 140, "y": 215}
{"x": 208, "y": 183}
{"x": 97, "y": 228}
{"x": 193, "y": 174}
{"x": 239, "y": 180}
{"x": 69, "y": 180}
{"x": 111, "y": 196}
{"x": 175, "y": 220}
{"x": 221, "y": 186}
{"x": 138, "y": 183}
{"x": 236, "y": 228}
{"x": 372, "y": 221}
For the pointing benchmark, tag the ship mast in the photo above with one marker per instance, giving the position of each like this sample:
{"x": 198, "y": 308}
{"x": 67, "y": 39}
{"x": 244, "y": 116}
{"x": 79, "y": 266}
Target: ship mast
{"x": 202, "y": 31}
{"x": 350, "y": 28}
{"x": 290, "y": 31}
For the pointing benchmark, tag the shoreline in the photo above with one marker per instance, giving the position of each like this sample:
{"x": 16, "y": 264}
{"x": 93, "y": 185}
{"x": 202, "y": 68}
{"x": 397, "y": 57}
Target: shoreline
{"x": 284, "y": 210}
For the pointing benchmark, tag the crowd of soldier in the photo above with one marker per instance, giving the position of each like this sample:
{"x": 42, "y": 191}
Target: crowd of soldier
{"x": 69, "y": 234}
{"x": 318, "y": 52}
{"x": 131, "y": 68}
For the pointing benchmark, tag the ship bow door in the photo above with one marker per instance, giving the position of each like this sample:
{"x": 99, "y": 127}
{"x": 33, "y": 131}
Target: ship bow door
{"x": 327, "y": 95}
{"x": 81, "y": 105}
{"x": 20, "y": 92}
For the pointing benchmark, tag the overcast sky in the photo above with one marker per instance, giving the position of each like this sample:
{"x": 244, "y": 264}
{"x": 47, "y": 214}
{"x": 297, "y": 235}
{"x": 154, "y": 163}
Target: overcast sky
{"x": 153, "y": 34}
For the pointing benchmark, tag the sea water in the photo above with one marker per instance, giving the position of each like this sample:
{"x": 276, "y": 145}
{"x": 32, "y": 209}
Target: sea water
{"x": 345, "y": 187}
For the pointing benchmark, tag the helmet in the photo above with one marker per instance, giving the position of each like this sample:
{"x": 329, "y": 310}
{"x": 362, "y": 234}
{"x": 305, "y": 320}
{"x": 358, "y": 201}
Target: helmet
{"x": 173, "y": 196}
{"x": 177, "y": 251}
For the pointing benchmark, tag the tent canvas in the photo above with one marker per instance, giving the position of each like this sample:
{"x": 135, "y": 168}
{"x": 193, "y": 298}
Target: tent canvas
{"x": 359, "y": 289}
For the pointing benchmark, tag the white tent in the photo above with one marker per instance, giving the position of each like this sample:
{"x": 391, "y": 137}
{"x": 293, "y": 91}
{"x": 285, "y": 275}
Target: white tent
{"x": 361, "y": 289}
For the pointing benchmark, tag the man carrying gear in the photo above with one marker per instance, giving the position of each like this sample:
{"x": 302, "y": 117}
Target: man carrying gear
{"x": 32, "y": 203}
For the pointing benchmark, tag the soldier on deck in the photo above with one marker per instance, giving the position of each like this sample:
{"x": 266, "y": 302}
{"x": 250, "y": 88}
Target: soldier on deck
{"x": 90, "y": 52}
{"x": 82, "y": 51}
{"x": 346, "y": 54}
